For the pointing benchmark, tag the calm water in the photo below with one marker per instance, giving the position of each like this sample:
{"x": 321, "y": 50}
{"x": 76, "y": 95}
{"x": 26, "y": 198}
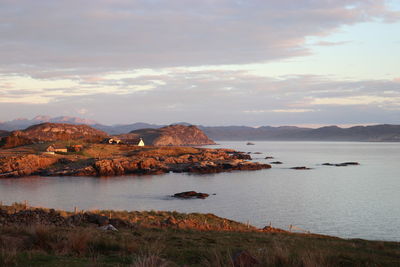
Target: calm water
{"x": 355, "y": 201}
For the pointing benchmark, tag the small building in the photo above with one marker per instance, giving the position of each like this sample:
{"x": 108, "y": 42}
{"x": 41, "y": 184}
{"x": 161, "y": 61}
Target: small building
{"x": 55, "y": 148}
{"x": 136, "y": 142}
{"x": 112, "y": 141}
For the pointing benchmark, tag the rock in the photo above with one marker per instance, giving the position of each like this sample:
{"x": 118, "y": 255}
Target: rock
{"x": 257, "y": 153}
{"x": 244, "y": 259}
{"x": 300, "y": 168}
{"x": 24, "y": 165}
{"x": 97, "y": 219}
{"x": 108, "y": 227}
{"x": 269, "y": 157}
{"x": 344, "y": 164}
{"x": 250, "y": 144}
{"x": 271, "y": 229}
{"x": 276, "y": 162}
{"x": 191, "y": 194}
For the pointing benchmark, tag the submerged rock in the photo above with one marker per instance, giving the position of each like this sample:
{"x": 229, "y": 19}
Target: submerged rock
{"x": 343, "y": 164}
{"x": 191, "y": 194}
{"x": 300, "y": 168}
{"x": 276, "y": 162}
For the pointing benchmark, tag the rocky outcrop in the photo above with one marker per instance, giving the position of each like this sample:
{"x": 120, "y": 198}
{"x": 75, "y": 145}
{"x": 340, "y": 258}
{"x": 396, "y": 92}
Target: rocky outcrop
{"x": 15, "y": 140}
{"x": 155, "y": 160}
{"x": 50, "y": 132}
{"x": 173, "y": 135}
{"x": 24, "y": 165}
{"x": 21, "y": 215}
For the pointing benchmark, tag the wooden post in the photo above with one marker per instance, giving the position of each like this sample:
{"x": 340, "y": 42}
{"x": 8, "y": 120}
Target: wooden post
{"x": 290, "y": 228}
{"x": 248, "y": 224}
{"x": 110, "y": 215}
{"x": 75, "y": 210}
{"x": 25, "y": 204}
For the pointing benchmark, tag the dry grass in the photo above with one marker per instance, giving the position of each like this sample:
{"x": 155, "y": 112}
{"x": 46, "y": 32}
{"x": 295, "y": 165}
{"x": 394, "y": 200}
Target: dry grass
{"x": 149, "y": 245}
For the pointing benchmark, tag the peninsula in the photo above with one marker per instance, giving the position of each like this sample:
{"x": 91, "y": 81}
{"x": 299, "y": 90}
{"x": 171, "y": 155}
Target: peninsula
{"x": 54, "y": 149}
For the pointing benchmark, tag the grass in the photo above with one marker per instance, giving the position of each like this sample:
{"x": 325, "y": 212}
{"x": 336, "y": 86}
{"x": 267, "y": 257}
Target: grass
{"x": 45, "y": 246}
{"x": 147, "y": 244}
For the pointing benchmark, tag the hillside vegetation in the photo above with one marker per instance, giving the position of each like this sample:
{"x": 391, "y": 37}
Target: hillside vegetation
{"x": 152, "y": 238}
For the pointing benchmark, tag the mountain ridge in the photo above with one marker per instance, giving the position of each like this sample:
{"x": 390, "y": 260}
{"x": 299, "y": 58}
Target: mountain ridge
{"x": 372, "y": 133}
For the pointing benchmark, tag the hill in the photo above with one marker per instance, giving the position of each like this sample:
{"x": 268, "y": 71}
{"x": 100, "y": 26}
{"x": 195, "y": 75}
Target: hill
{"x": 48, "y": 132}
{"x": 173, "y": 135}
{"x": 125, "y": 128}
{"x": 23, "y": 123}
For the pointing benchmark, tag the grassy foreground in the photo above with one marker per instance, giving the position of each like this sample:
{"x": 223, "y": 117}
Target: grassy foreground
{"x": 144, "y": 243}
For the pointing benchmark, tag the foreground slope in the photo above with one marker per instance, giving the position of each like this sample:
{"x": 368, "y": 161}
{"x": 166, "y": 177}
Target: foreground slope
{"x": 42, "y": 237}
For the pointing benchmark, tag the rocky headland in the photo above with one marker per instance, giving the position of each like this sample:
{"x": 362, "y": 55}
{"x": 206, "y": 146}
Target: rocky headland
{"x": 115, "y": 160}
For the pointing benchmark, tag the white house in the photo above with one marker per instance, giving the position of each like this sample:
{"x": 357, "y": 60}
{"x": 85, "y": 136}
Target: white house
{"x": 141, "y": 142}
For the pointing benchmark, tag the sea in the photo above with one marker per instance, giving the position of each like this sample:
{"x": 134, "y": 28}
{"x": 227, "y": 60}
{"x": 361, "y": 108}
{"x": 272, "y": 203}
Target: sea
{"x": 361, "y": 201}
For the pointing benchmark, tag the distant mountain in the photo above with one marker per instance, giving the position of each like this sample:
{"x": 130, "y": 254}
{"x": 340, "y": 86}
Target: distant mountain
{"x": 375, "y": 133}
{"x": 23, "y": 123}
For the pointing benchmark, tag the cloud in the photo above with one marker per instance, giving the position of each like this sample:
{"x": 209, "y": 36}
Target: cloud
{"x": 70, "y": 37}
{"x": 326, "y": 43}
{"x": 214, "y": 97}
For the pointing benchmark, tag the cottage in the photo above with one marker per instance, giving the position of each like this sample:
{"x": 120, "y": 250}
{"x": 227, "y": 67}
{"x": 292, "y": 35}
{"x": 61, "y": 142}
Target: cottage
{"x": 112, "y": 141}
{"x": 136, "y": 142}
{"x": 55, "y": 148}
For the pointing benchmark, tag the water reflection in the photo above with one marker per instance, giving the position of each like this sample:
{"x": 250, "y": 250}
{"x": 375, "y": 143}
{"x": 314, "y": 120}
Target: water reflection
{"x": 360, "y": 201}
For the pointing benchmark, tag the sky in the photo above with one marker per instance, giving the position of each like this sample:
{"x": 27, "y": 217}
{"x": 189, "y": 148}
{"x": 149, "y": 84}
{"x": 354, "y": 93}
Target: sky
{"x": 210, "y": 62}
